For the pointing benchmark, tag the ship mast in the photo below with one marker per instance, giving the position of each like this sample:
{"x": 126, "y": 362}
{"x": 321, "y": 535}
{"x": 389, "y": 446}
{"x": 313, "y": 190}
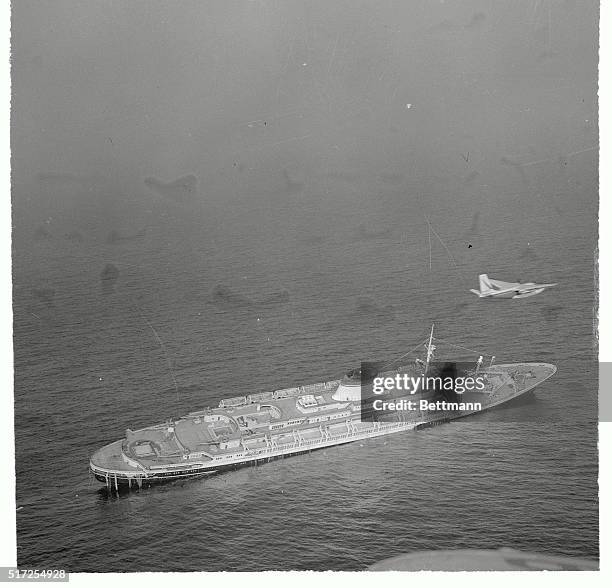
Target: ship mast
{"x": 430, "y": 349}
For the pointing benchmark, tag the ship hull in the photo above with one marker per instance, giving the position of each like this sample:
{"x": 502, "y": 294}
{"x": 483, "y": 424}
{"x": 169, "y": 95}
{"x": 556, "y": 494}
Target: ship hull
{"x": 114, "y": 478}
{"x": 110, "y": 466}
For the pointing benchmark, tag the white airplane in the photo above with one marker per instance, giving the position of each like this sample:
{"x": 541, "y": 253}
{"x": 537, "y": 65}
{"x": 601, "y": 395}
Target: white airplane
{"x": 497, "y": 289}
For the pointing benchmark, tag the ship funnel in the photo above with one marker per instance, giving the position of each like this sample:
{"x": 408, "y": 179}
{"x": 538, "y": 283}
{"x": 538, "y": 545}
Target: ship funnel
{"x": 348, "y": 392}
{"x": 349, "y": 388}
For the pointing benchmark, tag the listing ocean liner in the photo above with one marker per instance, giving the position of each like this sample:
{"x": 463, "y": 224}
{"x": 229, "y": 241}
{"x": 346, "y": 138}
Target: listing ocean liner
{"x": 260, "y": 427}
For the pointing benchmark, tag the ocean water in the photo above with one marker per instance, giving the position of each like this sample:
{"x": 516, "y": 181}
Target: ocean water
{"x": 95, "y": 357}
{"x": 323, "y": 138}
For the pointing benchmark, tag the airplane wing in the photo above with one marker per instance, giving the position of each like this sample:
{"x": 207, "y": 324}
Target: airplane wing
{"x": 529, "y": 287}
{"x": 497, "y": 288}
{"x": 499, "y": 285}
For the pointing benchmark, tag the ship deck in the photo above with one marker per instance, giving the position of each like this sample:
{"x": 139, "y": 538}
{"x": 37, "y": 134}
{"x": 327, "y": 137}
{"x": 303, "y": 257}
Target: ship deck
{"x": 211, "y": 434}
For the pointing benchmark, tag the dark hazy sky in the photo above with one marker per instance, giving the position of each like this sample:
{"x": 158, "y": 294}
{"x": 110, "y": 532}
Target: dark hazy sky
{"x": 133, "y": 88}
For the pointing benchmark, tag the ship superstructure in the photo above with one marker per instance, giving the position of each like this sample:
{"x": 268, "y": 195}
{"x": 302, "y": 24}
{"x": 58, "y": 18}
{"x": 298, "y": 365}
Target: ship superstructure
{"x": 262, "y": 426}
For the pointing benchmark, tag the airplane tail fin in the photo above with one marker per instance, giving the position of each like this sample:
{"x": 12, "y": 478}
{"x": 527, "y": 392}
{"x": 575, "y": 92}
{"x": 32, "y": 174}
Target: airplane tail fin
{"x": 484, "y": 284}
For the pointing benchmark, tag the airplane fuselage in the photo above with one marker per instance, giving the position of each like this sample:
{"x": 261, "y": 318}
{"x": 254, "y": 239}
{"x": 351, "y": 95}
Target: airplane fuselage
{"x": 497, "y": 289}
